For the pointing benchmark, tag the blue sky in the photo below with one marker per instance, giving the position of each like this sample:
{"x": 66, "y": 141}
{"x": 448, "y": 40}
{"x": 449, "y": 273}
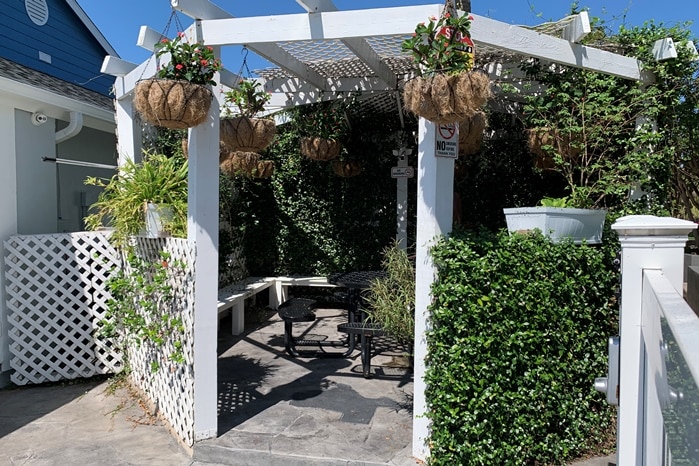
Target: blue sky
{"x": 120, "y": 20}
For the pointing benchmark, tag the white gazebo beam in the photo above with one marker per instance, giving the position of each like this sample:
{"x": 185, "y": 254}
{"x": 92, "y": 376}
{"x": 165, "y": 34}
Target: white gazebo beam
{"x": 578, "y": 28}
{"x": 330, "y": 25}
{"x": 115, "y": 66}
{"x": 529, "y": 43}
{"x": 360, "y": 47}
{"x": 207, "y": 11}
{"x": 148, "y": 37}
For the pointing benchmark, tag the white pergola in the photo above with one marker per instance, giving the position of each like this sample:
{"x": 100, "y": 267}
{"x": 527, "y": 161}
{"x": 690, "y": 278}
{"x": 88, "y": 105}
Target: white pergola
{"x": 319, "y": 53}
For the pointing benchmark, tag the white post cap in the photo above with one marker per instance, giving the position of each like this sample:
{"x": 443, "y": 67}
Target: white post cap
{"x": 650, "y": 225}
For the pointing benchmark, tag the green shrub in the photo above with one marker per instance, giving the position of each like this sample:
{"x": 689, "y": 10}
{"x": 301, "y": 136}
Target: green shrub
{"x": 518, "y": 333}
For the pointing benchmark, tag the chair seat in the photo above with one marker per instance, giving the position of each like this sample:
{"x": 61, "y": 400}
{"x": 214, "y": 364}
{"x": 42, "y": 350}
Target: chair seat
{"x": 297, "y": 310}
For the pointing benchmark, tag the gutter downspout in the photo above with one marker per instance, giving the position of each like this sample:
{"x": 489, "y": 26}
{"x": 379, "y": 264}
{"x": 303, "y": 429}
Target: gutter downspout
{"x": 73, "y": 128}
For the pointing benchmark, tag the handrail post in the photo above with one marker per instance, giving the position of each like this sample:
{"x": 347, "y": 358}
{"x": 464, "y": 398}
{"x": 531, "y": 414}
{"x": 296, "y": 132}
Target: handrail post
{"x": 647, "y": 242}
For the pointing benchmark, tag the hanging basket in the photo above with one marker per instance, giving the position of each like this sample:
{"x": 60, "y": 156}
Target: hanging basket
{"x": 223, "y": 152}
{"x": 320, "y": 149}
{"x": 471, "y": 133}
{"x": 538, "y": 138}
{"x": 240, "y": 163}
{"x": 265, "y": 169}
{"x": 346, "y": 168}
{"x": 172, "y": 104}
{"x": 447, "y": 98}
{"x": 247, "y": 134}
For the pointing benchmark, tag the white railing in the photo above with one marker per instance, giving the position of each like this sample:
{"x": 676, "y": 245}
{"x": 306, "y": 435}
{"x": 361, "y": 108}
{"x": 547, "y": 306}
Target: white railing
{"x": 658, "y": 416}
{"x": 671, "y": 342}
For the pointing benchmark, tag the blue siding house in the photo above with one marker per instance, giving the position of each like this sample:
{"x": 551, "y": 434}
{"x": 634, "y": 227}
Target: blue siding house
{"x": 57, "y": 124}
{"x": 57, "y": 38}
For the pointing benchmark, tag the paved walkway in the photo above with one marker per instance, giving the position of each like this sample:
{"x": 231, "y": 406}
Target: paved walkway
{"x": 273, "y": 410}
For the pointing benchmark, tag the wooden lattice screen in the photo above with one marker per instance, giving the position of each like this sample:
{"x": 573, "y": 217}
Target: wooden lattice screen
{"x": 56, "y": 300}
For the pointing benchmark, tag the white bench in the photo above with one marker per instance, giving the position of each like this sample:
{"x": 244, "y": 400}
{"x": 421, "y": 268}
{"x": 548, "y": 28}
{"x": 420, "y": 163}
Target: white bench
{"x": 232, "y": 297}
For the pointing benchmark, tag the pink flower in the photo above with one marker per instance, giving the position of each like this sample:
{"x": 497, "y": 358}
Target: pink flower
{"x": 180, "y": 34}
{"x": 210, "y": 48}
{"x": 179, "y": 66}
{"x": 164, "y": 41}
{"x": 448, "y": 15}
{"x": 204, "y": 62}
{"x": 470, "y": 18}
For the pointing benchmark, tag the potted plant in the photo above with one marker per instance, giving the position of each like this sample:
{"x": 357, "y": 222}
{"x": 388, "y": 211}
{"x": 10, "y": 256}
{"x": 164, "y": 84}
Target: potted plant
{"x": 180, "y": 96}
{"x": 445, "y": 90}
{"x": 240, "y": 130}
{"x": 557, "y": 220}
{"x": 155, "y": 185}
{"x": 325, "y": 126}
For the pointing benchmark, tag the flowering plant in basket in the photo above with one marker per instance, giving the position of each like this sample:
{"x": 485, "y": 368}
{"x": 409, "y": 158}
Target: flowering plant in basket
{"x": 442, "y": 45}
{"x": 445, "y": 91}
{"x": 195, "y": 63}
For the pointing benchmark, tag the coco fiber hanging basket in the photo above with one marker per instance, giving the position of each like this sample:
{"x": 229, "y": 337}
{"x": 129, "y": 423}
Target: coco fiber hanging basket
{"x": 320, "y": 149}
{"x": 471, "y": 133}
{"x": 172, "y": 103}
{"x": 346, "y": 168}
{"x": 538, "y": 138}
{"x": 443, "y": 98}
{"x": 240, "y": 163}
{"x": 265, "y": 169}
{"x": 247, "y": 134}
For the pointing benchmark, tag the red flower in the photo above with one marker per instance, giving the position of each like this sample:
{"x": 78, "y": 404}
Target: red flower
{"x": 164, "y": 264}
{"x": 470, "y": 18}
{"x": 164, "y": 40}
{"x": 210, "y": 48}
{"x": 180, "y": 34}
{"x": 204, "y": 62}
{"x": 179, "y": 66}
{"x": 448, "y": 15}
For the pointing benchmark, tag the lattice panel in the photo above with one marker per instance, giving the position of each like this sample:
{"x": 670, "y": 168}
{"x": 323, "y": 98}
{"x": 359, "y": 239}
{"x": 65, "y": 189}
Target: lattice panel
{"x": 171, "y": 387}
{"x": 55, "y": 300}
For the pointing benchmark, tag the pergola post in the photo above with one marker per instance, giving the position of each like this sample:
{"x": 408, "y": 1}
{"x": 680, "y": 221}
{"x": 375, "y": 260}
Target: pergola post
{"x": 435, "y": 198}
{"x": 202, "y": 234}
{"x": 129, "y": 143}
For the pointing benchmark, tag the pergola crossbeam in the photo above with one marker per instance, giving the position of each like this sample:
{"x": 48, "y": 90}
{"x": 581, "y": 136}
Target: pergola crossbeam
{"x": 205, "y": 10}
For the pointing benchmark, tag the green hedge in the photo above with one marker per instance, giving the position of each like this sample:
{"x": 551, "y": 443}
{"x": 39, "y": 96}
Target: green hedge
{"x": 518, "y": 333}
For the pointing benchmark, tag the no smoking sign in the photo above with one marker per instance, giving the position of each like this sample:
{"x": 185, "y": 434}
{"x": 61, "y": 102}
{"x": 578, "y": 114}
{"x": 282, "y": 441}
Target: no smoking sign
{"x": 447, "y": 140}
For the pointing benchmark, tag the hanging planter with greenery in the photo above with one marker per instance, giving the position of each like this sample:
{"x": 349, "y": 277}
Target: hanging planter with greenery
{"x": 324, "y": 126}
{"x": 180, "y": 96}
{"x": 446, "y": 90}
{"x": 240, "y": 130}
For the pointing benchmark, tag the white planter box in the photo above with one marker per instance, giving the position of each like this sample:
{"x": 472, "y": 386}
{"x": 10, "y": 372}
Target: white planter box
{"x": 558, "y": 222}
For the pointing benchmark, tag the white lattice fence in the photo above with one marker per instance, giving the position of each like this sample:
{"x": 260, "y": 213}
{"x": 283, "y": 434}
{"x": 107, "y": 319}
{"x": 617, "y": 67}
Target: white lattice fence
{"x": 55, "y": 288}
{"x": 171, "y": 387}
